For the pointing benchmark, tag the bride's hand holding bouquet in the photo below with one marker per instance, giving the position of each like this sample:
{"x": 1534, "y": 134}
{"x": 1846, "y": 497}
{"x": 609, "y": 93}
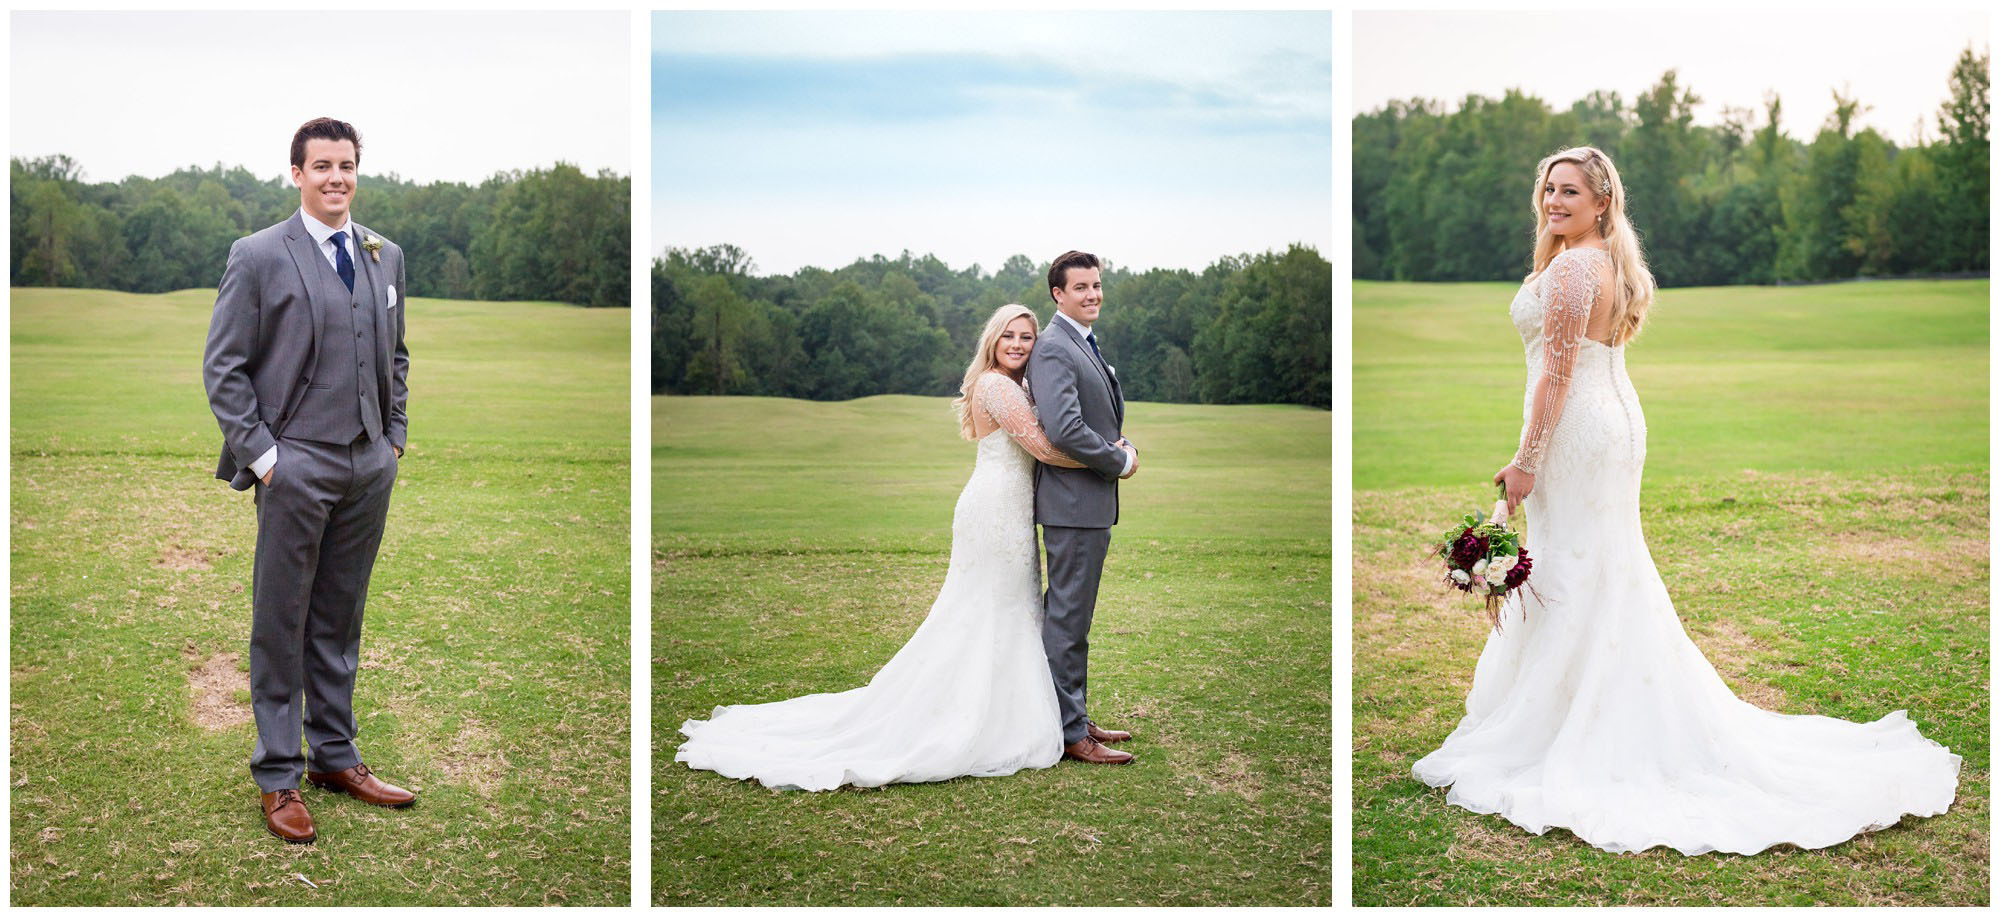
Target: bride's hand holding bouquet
{"x": 1484, "y": 557}
{"x": 1515, "y": 485}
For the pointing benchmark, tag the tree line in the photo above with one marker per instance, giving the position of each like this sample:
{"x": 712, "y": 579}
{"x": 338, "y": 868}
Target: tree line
{"x": 1246, "y": 329}
{"x": 548, "y": 234}
{"x": 1443, "y": 196}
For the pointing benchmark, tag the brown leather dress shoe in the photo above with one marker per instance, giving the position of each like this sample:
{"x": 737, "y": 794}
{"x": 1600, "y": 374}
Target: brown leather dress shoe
{"x": 1107, "y": 736}
{"x": 285, "y": 815}
{"x": 361, "y": 783}
{"x": 1091, "y": 751}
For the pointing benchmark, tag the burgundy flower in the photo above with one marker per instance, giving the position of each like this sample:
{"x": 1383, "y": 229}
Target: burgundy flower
{"x": 1468, "y": 550}
{"x": 1518, "y": 574}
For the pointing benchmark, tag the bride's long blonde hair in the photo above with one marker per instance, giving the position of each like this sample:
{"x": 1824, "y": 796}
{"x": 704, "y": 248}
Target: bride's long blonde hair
{"x": 1631, "y": 280}
{"x": 982, "y": 360}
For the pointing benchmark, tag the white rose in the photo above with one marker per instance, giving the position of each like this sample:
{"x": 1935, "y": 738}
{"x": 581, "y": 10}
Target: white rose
{"x": 1497, "y": 577}
{"x": 1503, "y": 563}
{"x": 1479, "y": 568}
{"x": 1459, "y": 577}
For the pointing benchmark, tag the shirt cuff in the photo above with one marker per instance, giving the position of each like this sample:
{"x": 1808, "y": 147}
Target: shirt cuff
{"x": 1128, "y": 463}
{"x": 263, "y": 464}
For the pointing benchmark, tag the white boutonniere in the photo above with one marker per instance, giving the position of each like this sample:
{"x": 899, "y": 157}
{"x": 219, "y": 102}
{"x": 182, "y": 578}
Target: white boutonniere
{"x": 374, "y": 246}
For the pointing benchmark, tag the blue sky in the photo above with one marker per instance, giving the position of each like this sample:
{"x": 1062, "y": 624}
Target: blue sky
{"x": 1155, "y": 139}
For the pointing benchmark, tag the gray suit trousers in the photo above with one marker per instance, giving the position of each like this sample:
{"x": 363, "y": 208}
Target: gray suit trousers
{"x": 319, "y": 523}
{"x": 1076, "y": 562}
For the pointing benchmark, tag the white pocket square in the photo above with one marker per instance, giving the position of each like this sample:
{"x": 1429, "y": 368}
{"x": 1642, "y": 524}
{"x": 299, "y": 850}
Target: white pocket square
{"x": 391, "y": 304}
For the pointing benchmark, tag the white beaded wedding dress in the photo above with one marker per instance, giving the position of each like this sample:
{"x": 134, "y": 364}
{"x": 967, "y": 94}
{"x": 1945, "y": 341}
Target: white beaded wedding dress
{"x": 1590, "y": 708}
{"x": 969, "y": 694}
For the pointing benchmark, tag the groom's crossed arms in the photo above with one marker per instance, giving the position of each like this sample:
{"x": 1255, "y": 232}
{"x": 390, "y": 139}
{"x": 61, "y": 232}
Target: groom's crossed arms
{"x": 1054, "y": 383}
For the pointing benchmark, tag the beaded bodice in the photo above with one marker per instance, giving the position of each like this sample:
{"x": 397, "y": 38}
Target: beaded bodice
{"x": 1575, "y": 386}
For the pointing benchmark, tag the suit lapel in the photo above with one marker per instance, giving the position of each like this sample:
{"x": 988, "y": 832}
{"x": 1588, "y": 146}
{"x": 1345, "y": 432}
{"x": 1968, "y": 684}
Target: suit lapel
{"x": 306, "y": 257}
{"x": 1103, "y": 371}
{"x": 1083, "y": 348}
{"x": 372, "y": 299}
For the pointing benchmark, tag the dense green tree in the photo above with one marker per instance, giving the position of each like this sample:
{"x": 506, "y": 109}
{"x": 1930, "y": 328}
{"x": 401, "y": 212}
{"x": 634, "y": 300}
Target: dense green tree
{"x": 51, "y": 228}
{"x": 671, "y": 320}
{"x": 546, "y": 234}
{"x": 716, "y": 337}
{"x": 1658, "y": 161}
{"x": 1439, "y": 194}
{"x": 1963, "y": 167}
{"x": 1270, "y": 340}
{"x": 908, "y": 325}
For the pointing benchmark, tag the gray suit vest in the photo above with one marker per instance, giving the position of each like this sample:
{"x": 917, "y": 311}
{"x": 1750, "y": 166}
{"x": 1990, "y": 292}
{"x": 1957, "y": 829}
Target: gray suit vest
{"x": 340, "y": 402}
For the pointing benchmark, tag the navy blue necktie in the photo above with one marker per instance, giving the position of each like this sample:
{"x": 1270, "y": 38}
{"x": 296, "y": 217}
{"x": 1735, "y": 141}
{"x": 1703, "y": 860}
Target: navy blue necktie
{"x": 1092, "y": 340}
{"x": 342, "y": 264}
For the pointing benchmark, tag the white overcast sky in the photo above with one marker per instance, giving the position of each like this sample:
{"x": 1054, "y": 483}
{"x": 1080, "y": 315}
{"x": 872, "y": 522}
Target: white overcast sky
{"x": 1153, "y": 139}
{"x": 453, "y": 96}
{"x": 1897, "y": 62}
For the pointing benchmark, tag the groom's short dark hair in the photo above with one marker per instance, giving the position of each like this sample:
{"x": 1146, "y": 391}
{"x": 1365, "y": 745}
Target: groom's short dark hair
{"x": 323, "y": 129}
{"x": 1059, "y": 271}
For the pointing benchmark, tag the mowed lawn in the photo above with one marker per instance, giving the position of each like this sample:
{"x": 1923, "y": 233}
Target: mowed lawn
{"x": 1816, "y": 498}
{"x": 798, "y": 544}
{"x": 495, "y": 657}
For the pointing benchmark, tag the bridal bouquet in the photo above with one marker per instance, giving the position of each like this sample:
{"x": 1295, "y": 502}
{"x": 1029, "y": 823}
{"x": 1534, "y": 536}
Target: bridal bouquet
{"x": 1484, "y": 557}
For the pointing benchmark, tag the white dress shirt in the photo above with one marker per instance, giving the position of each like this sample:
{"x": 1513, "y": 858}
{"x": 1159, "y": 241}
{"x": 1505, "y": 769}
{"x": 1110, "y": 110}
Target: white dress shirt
{"x": 323, "y": 234}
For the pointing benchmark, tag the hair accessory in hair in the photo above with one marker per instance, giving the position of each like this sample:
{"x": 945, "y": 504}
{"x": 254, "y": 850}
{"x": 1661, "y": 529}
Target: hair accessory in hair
{"x": 1604, "y": 187}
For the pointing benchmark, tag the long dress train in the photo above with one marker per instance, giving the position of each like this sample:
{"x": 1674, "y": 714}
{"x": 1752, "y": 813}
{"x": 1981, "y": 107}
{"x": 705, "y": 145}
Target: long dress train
{"x": 1591, "y": 709}
{"x": 969, "y": 694}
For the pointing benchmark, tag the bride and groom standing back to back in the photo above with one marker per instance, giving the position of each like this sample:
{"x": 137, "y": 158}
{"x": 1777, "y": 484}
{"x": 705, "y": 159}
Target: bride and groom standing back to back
{"x": 995, "y": 679}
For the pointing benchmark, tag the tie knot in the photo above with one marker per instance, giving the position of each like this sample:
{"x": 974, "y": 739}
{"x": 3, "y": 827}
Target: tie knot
{"x": 340, "y": 238}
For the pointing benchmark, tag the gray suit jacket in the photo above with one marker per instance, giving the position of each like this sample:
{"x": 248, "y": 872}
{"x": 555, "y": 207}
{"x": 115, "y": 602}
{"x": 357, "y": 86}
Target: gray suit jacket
{"x": 1082, "y": 411}
{"x": 263, "y": 339}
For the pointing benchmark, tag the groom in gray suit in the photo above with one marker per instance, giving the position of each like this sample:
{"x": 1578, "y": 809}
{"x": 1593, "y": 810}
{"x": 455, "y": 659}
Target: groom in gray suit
{"x": 305, "y": 370}
{"x": 1082, "y": 409}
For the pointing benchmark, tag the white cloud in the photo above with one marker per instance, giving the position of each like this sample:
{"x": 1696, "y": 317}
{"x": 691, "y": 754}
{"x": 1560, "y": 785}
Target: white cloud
{"x": 1171, "y": 139}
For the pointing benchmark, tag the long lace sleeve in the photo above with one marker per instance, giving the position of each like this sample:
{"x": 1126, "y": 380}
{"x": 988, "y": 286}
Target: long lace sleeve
{"x": 1008, "y": 405}
{"x": 1571, "y": 292}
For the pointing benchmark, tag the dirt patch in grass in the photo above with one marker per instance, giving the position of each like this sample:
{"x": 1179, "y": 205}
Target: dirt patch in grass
{"x": 1730, "y": 649}
{"x": 1490, "y": 838}
{"x": 176, "y": 557}
{"x": 216, "y": 682}
{"x": 1951, "y": 559}
{"x": 1232, "y": 774}
{"x": 473, "y": 758}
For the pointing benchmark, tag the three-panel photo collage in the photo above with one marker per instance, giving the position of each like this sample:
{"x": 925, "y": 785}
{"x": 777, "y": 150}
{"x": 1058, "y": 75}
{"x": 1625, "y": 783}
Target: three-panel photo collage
{"x": 1131, "y": 458}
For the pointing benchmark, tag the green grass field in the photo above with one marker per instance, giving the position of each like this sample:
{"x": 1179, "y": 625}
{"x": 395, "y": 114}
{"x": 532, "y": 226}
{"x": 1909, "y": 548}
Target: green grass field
{"x": 1816, "y": 498}
{"x": 496, "y": 654}
{"x": 797, "y": 545}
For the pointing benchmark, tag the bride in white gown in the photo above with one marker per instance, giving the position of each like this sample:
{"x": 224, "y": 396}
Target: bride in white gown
{"x": 970, "y": 693}
{"x": 1591, "y": 709}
